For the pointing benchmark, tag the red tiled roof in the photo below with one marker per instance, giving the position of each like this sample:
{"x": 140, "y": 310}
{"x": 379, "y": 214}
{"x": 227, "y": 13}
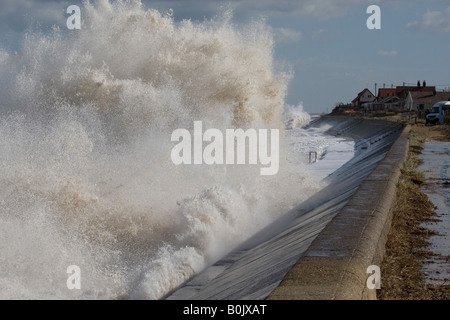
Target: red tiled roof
{"x": 386, "y": 92}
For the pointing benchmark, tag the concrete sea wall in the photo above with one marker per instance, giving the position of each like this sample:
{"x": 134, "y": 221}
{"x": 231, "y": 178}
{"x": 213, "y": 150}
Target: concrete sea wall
{"x": 335, "y": 265}
{"x": 322, "y": 248}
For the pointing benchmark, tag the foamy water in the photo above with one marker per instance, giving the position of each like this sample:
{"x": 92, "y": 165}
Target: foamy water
{"x": 324, "y": 153}
{"x": 87, "y": 179}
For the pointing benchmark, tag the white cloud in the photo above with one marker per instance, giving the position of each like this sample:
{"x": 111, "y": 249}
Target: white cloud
{"x": 316, "y": 33}
{"x": 433, "y": 21}
{"x": 386, "y": 53}
{"x": 285, "y": 36}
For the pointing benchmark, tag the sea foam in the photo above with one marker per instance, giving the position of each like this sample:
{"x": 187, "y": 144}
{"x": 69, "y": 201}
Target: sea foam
{"x": 85, "y": 140}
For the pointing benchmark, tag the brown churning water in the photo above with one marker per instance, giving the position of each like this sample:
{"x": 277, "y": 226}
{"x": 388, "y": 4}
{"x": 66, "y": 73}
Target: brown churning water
{"x": 85, "y": 139}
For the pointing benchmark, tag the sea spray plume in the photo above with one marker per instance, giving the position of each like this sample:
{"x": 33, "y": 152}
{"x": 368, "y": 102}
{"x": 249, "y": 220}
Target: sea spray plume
{"x": 210, "y": 66}
{"x": 295, "y": 116}
{"x": 85, "y": 148}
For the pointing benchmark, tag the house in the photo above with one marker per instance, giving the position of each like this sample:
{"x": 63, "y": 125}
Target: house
{"x": 384, "y": 93}
{"x": 363, "y": 97}
{"x": 386, "y": 99}
{"x": 402, "y": 91}
{"x": 418, "y": 98}
{"x": 392, "y": 103}
{"x": 388, "y": 103}
{"x": 424, "y": 100}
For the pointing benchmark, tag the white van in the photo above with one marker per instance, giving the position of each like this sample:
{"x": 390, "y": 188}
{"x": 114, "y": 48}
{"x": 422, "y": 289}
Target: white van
{"x": 438, "y": 112}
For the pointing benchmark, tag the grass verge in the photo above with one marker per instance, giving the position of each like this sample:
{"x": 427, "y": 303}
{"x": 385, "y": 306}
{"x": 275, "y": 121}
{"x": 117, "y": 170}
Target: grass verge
{"x": 406, "y": 247}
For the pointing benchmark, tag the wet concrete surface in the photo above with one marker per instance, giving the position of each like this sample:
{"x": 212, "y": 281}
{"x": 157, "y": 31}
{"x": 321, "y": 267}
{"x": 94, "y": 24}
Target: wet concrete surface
{"x": 436, "y": 169}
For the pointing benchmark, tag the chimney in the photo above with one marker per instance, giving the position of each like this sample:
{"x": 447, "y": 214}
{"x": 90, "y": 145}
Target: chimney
{"x": 424, "y": 83}
{"x": 418, "y": 84}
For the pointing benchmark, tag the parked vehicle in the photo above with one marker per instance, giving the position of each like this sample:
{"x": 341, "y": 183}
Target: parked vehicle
{"x": 438, "y": 112}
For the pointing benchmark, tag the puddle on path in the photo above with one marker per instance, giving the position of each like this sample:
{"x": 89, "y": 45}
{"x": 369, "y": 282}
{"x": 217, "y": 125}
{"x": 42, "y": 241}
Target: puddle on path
{"x": 436, "y": 168}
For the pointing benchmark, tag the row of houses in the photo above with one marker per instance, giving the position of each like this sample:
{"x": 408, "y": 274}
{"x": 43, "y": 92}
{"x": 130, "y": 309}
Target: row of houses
{"x": 401, "y": 98}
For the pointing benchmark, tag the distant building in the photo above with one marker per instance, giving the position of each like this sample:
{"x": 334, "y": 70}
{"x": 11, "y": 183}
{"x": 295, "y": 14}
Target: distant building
{"x": 384, "y": 93}
{"x": 363, "y": 97}
{"x": 402, "y": 98}
{"x": 422, "y": 101}
{"x": 386, "y": 99}
{"x": 403, "y": 91}
{"x": 392, "y": 103}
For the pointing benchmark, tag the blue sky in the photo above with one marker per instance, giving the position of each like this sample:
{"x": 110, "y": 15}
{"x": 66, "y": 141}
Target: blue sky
{"x": 326, "y": 43}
